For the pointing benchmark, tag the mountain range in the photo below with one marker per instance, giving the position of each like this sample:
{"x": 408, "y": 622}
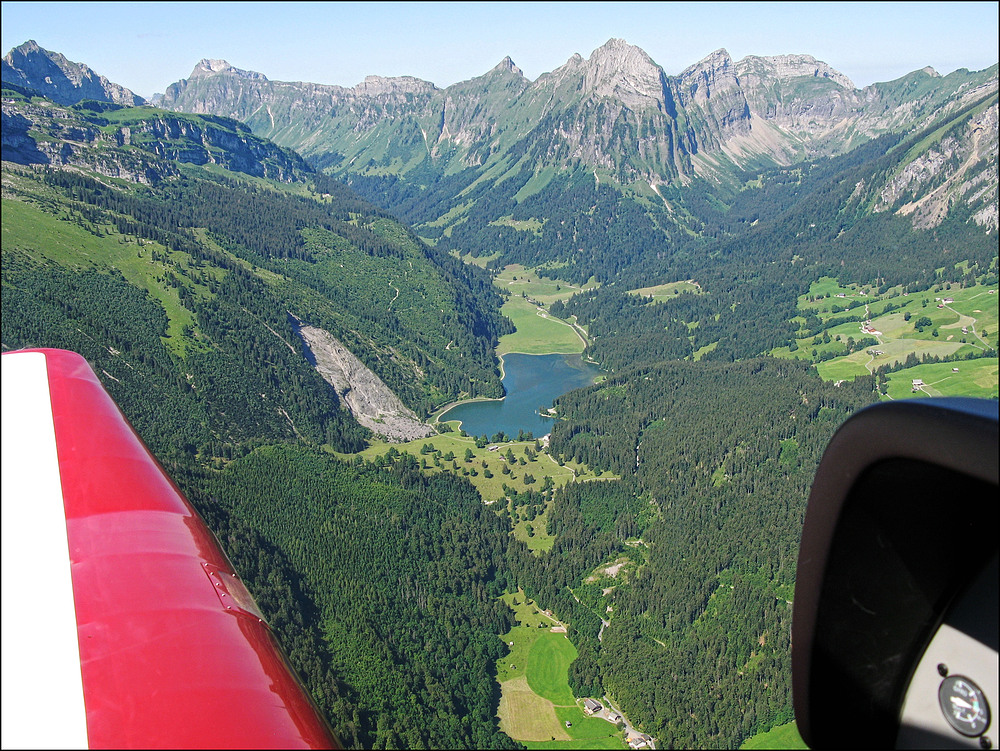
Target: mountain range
{"x": 427, "y": 153}
{"x": 269, "y": 276}
{"x": 59, "y": 79}
{"x": 616, "y": 115}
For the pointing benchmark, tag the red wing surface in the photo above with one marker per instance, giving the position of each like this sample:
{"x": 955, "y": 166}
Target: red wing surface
{"x": 124, "y": 624}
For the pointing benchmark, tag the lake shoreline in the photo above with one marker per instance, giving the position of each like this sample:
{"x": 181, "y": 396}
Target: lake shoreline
{"x": 531, "y": 382}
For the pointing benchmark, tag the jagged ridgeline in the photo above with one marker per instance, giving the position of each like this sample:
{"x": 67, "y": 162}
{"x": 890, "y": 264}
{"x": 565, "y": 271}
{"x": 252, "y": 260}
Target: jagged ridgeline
{"x": 608, "y": 163}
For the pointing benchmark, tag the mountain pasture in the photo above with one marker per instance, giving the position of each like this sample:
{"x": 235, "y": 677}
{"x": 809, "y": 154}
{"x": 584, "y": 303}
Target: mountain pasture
{"x": 664, "y": 292}
{"x": 536, "y": 702}
{"x": 976, "y": 378}
{"x": 861, "y": 330}
{"x": 538, "y": 332}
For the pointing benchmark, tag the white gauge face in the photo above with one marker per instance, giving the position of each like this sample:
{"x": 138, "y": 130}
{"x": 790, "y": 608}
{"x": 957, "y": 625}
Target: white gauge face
{"x": 964, "y": 705}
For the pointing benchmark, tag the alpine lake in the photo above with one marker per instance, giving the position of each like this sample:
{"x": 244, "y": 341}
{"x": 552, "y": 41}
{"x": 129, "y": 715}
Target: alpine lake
{"x": 531, "y": 383}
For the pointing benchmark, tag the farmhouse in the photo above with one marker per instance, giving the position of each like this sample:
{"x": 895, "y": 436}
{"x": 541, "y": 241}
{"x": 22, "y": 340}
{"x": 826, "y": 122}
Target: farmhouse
{"x": 590, "y": 706}
{"x": 639, "y": 740}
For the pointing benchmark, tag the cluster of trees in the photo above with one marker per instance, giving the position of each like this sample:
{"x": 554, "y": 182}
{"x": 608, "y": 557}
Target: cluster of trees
{"x": 698, "y": 647}
{"x": 404, "y": 570}
{"x": 118, "y": 328}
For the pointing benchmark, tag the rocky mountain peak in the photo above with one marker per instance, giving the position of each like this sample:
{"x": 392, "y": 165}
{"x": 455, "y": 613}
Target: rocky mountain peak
{"x": 28, "y": 48}
{"x": 625, "y": 72}
{"x": 379, "y": 85}
{"x": 618, "y": 56}
{"x": 507, "y": 66}
{"x": 720, "y": 60}
{"x": 208, "y": 67}
{"x": 784, "y": 67}
{"x": 710, "y": 76}
{"x": 570, "y": 67}
{"x": 65, "y": 82}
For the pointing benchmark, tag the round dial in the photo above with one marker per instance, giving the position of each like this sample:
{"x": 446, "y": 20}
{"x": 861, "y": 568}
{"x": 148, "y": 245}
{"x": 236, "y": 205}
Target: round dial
{"x": 964, "y": 705}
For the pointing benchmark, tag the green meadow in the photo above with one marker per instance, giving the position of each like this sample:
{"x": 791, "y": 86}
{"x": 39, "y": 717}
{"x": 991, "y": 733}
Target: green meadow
{"x": 142, "y": 264}
{"x": 662, "y": 292}
{"x": 538, "y": 332}
{"x": 947, "y": 321}
{"x": 783, "y": 736}
{"x": 491, "y": 488}
{"x": 447, "y": 452}
{"x": 536, "y": 701}
{"x": 976, "y": 378}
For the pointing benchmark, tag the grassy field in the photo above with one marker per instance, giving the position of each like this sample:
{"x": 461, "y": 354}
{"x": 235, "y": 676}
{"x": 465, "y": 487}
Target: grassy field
{"x": 973, "y": 378}
{"x": 955, "y": 322}
{"x": 491, "y": 488}
{"x": 517, "y": 279}
{"x": 783, "y": 736}
{"x": 435, "y": 458}
{"x": 534, "y": 533}
{"x": 536, "y": 701}
{"x": 69, "y": 245}
{"x": 548, "y": 666}
{"x": 663, "y": 292}
{"x": 537, "y": 333}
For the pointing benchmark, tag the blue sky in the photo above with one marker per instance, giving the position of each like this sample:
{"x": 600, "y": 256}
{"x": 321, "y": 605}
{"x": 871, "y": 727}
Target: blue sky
{"x": 147, "y": 46}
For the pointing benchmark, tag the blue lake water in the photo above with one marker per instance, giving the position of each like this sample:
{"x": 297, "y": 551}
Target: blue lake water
{"x": 530, "y": 381}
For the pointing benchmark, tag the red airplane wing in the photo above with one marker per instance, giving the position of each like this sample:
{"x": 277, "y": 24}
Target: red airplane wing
{"x": 124, "y": 624}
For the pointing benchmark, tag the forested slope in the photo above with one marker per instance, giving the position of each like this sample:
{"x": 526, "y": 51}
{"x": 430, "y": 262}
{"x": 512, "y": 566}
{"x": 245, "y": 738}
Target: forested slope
{"x": 183, "y": 292}
{"x": 717, "y": 461}
{"x": 415, "y": 316}
{"x": 404, "y": 570}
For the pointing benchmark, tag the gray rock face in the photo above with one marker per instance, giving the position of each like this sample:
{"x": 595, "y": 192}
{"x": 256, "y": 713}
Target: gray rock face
{"x": 372, "y": 403}
{"x": 621, "y": 71}
{"x": 960, "y": 168}
{"x": 70, "y": 140}
{"x": 713, "y": 87}
{"x": 59, "y": 79}
{"x": 381, "y": 85}
{"x": 210, "y": 67}
{"x": 616, "y": 113}
{"x": 507, "y": 65}
{"x": 239, "y": 151}
{"x": 783, "y": 67}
